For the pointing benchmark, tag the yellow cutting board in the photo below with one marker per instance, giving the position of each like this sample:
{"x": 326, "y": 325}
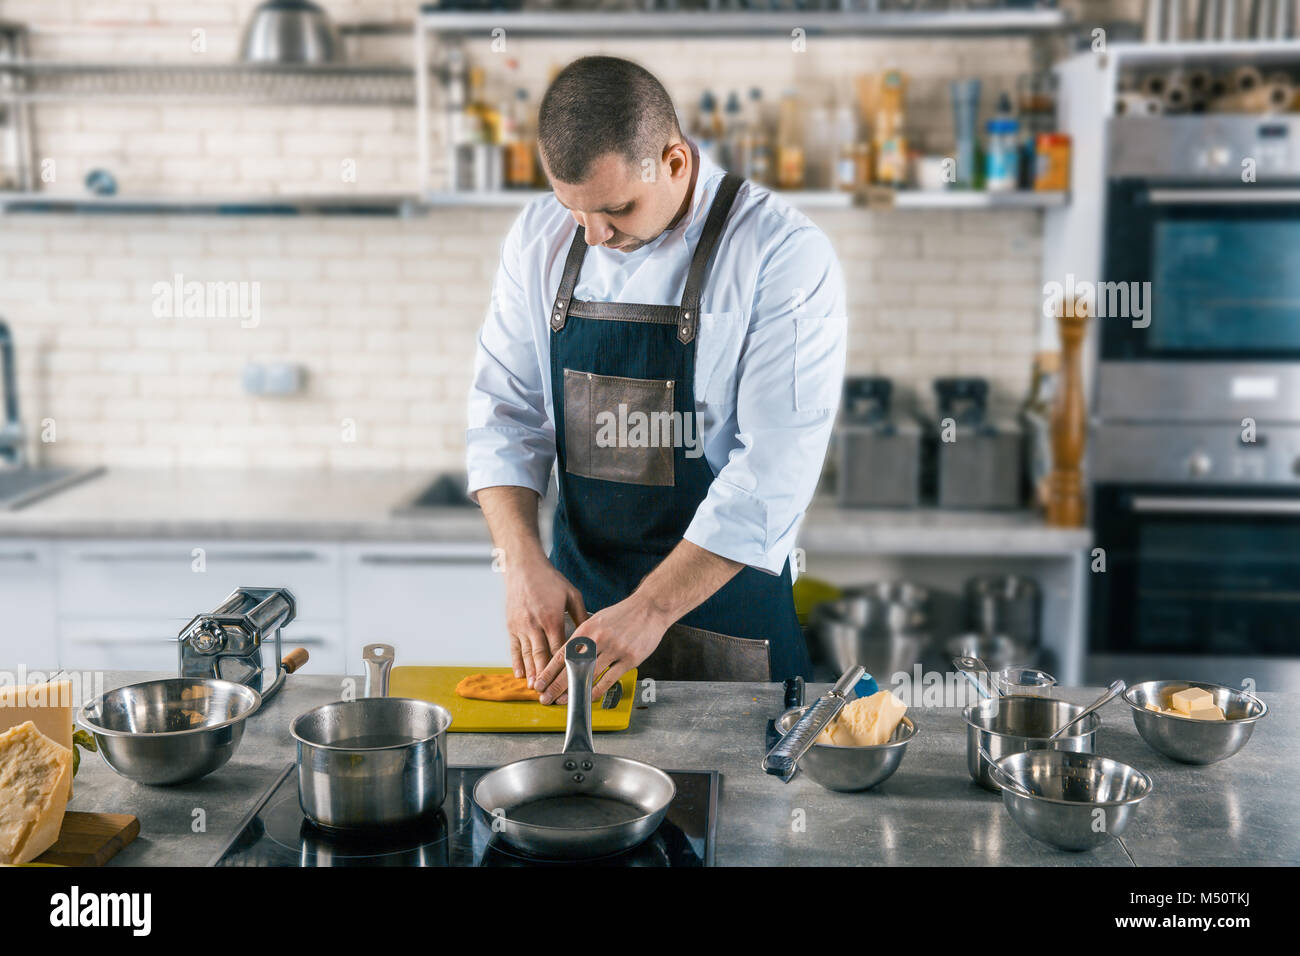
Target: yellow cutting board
{"x": 438, "y": 684}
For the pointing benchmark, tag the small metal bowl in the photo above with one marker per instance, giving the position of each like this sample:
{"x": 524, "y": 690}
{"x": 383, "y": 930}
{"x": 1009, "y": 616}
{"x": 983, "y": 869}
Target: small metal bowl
{"x": 170, "y": 731}
{"x": 1187, "y": 739}
{"x": 850, "y": 769}
{"x": 1066, "y": 791}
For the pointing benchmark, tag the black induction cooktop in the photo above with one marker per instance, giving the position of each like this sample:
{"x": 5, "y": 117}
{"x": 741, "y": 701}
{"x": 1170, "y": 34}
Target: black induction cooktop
{"x": 277, "y": 834}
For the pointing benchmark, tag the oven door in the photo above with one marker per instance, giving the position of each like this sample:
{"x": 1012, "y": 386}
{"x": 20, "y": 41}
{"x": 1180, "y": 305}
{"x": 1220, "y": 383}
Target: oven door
{"x": 1199, "y": 583}
{"x": 1223, "y": 263}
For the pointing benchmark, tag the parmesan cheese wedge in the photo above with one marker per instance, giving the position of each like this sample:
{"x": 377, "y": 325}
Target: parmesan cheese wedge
{"x": 34, "y": 775}
{"x": 48, "y": 706}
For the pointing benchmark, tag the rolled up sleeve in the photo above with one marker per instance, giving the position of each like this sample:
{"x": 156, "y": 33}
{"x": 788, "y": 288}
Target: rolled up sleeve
{"x": 789, "y": 380}
{"x": 510, "y": 439}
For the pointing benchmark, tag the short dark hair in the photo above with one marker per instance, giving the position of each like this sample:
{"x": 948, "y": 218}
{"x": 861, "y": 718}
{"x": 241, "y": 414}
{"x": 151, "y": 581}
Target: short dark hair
{"x": 598, "y": 105}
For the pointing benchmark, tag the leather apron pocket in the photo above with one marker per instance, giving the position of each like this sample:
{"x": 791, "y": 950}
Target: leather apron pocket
{"x": 692, "y": 653}
{"x": 619, "y": 429}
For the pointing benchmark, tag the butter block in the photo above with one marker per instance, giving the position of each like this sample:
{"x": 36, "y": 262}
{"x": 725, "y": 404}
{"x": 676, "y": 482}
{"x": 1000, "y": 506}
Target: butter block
{"x": 1185, "y": 701}
{"x": 1151, "y": 706}
{"x": 1207, "y": 713}
{"x": 48, "y": 706}
{"x": 34, "y": 774}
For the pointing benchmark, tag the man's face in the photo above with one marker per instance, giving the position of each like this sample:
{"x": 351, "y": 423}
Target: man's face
{"x": 620, "y": 207}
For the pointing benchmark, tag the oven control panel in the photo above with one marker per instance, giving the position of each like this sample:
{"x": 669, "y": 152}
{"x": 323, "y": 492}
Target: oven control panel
{"x": 1203, "y": 146}
{"x": 1176, "y": 453}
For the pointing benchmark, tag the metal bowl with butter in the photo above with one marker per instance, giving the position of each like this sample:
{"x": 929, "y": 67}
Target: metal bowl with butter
{"x": 1189, "y": 739}
{"x": 850, "y": 769}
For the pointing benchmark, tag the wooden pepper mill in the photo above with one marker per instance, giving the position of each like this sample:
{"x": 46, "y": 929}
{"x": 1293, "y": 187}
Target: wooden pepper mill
{"x": 1065, "y": 497}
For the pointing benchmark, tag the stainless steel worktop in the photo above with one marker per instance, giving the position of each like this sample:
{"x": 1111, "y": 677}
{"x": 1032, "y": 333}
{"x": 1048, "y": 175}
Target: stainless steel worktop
{"x": 1245, "y": 810}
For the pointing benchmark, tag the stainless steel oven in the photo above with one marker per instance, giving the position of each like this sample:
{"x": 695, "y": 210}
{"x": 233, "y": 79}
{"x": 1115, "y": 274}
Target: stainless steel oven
{"x": 1203, "y": 222}
{"x": 1200, "y": 538}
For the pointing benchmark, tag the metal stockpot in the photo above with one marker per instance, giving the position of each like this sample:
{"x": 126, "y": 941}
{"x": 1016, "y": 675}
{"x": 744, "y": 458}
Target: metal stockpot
{"x": 373, "y": 762}
{"x": 1010, "y": 725}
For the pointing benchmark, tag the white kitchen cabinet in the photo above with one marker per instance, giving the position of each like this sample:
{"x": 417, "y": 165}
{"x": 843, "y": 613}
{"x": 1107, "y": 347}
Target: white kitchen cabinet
{"x": 171, "y": 581}
{"x": 27, "y": 605}
{"x": 436, "y": 604}
{"x": 121, "y": 602}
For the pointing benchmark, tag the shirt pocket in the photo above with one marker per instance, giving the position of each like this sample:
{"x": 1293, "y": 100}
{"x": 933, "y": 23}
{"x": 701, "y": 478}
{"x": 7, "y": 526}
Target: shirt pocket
{"x": 717, "y": 354}
{"x": 818, "y": 370}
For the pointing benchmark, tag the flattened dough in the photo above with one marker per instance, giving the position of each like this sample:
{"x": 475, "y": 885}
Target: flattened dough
{"x": 495, "y": 687}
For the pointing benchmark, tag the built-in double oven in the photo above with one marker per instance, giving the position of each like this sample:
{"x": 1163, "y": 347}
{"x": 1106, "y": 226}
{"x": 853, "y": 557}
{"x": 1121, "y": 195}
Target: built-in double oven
{"x": 1195, "y": 450}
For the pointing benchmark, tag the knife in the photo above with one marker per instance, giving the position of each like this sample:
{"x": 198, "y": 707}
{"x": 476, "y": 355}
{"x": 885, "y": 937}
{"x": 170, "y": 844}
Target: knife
{"x": 783, "y": 759}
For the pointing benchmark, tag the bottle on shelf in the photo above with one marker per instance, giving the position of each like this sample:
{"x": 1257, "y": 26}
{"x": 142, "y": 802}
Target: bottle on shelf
{"x": 790, "y": 143}
{"x": 890, "y": 142}
{"x": 708, "y": 126}
{"x": 520, "y": 143}
{"x": 850, "y": 150}
{"x": 733, "y": 135}
{"x": 820, "y": 147}
{"x": 1002, "y": 154}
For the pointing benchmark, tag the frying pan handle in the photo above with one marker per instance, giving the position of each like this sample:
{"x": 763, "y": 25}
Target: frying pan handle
{"x": 379, "y": 661}
{"x": 580, "y": 665}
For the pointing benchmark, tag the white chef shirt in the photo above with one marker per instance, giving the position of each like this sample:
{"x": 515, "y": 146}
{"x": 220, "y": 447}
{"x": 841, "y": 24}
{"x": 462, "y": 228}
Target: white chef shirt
{"x": 769, "y": 358}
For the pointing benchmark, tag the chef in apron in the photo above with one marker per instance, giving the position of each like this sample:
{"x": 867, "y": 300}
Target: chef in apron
{"x": 671, "y": 339}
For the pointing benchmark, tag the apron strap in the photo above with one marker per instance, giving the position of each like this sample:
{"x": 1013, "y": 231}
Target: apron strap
{"x": 690, "y": 317}
{"x": 572, "y": 264}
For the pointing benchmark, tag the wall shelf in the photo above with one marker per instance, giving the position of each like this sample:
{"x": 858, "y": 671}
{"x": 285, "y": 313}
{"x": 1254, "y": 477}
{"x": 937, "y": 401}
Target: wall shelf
{"x": 391, "y": 205}
{"x": 407, "y": 205}
{"x": 886, "y": 198}
{"x": 744, "y": 23}
{"x": 46, "y": 81}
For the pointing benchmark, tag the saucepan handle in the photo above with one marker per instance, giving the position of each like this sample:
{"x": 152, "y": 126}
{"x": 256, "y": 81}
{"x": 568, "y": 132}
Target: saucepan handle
{"x": 379, "y": 661}
{"x": 580, "y": 665}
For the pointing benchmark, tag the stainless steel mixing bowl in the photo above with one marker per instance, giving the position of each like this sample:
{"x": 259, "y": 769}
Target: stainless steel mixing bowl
{"x": 1076, "y": 801}
{"x": 170, "y": 731}
{"x": 1008, "y": 725}
{"x": 1187, "y": 739}
{"x": 850, "y": 769}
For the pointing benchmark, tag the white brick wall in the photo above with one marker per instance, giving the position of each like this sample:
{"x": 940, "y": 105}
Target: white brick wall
{"x": 383, "y": 313}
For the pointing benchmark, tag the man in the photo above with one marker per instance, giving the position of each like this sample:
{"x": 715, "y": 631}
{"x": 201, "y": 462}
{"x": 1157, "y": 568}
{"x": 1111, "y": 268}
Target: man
{"x": 675, "y": 338}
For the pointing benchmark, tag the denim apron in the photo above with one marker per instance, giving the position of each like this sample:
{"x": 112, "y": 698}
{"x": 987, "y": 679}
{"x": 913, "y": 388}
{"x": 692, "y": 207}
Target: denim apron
{"x": 623, "y": 382}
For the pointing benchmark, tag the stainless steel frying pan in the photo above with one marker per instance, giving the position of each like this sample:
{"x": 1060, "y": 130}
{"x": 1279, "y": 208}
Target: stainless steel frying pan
{"x": 577, "y": 804}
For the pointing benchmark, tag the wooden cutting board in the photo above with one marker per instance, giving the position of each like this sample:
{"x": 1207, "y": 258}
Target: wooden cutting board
{"x": 438, "y": 684}
{"x": 90, "y": 839}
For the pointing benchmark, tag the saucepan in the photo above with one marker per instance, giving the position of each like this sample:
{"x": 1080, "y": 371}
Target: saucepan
{"x": 577, "y": 804}
{"x": 375, "y": 762}
{"x": 1002, "y": 726}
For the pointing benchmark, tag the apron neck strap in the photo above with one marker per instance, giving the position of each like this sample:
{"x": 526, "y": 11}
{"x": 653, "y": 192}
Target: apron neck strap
{"x": 722, "y": 202}
{"x": 572, "y": 265}
{"x": 690, "y": 307}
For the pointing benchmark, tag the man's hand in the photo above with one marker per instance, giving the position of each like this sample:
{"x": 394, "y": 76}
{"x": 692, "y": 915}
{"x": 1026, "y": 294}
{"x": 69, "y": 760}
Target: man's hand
{"x": 537, "y": 595}
{"x": 625, "y": 633}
